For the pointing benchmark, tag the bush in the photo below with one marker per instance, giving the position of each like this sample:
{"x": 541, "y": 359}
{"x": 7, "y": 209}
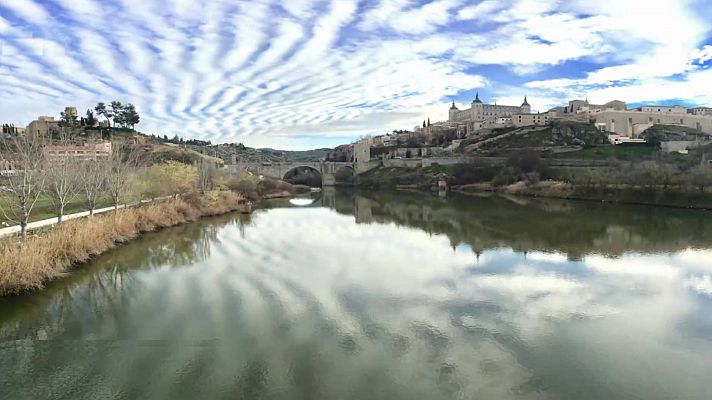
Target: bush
{"x": 529, "y": 161}
{"x": 464, "y": 174}
{"x": 506, "y": 176}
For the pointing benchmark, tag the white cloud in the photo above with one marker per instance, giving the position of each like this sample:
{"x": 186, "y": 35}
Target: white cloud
{"x": 27, "y": 9}
{"x": 479, "y": 10}
{"x": 5, "y": 26}
{"x": 701, "y": 284}
{"x": 260, "y": 70}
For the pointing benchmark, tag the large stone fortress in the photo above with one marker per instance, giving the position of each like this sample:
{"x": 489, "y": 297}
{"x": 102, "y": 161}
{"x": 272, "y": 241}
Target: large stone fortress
{"x": 481, "y": 115}
{"x": 480, "y": 111}
{"x": 614, "y": 117}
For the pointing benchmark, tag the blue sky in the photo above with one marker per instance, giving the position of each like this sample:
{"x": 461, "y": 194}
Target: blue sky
{"x": 309, "y": 73}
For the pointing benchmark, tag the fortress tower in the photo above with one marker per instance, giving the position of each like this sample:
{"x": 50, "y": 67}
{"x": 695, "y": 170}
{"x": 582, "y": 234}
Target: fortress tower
{"x": 453, "y": 112}
{"x": 477, "y": 109}
{"x": 526, "y": 108}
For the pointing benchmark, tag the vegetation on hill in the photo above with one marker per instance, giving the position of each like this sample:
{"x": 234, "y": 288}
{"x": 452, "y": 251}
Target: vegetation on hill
{"x": 164, "y": 153}
{"x": 668, "y": 133}
{"x": 543, "y": 138}
{"x": 238, "y": 152}
{"x": 622, "y": 152}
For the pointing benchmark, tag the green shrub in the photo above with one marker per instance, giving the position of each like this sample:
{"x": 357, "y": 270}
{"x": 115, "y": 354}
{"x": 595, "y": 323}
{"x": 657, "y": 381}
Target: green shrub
{"x": 506, "y": 176}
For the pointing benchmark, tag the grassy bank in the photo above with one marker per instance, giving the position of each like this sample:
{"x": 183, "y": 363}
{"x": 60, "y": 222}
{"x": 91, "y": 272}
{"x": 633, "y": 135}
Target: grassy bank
{"x": 624, "y": 194}
{"x": 29, "y": 265}
{"x": 636, "y": 183}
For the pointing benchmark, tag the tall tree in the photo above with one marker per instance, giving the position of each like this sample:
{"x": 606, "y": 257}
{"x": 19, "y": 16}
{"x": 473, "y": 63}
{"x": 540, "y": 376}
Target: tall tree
{"x": 26, "y": 184}
{"x": 130, "y": 116}
{"x": 68, "y": 122}
{"x": 101, "y": 110}
{"x": 90, "y": 120}
{"x": 117, "y": 113}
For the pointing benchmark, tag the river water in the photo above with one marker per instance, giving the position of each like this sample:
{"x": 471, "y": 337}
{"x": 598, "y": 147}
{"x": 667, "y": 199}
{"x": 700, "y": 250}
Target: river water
{"x": 380, "y": 296}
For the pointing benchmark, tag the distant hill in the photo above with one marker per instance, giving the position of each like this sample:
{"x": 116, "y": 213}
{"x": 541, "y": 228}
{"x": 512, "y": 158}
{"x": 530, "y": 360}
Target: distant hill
{"x": 240, "y": 153}
{"x": 237, "y": 152}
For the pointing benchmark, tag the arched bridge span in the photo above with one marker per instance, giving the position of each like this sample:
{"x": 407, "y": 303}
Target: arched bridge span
{"x": 327, "y": 169}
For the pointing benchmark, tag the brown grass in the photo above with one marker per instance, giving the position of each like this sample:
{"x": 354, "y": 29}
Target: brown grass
{"x": 29, "y": 265}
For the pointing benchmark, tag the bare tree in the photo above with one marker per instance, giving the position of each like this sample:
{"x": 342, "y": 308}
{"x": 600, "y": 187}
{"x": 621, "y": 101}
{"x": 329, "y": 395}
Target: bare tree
{"x": 206, "y": 175}
{"x": 62, "y": 174}
{"x": 92, "y": 182}
{"x": 118, "y": 169}
{"x": 25, "y": 182}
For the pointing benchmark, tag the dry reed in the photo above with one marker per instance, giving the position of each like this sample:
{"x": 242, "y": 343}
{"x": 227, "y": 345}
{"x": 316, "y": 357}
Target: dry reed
{"x": 29, "y": 265}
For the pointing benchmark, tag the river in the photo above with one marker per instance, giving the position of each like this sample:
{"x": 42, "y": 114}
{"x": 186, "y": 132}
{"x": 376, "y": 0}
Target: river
{"x": 380, "y": 296}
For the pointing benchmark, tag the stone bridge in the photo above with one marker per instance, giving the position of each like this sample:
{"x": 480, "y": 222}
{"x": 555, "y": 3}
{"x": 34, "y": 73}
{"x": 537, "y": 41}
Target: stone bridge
{"x": 279, "y": 170}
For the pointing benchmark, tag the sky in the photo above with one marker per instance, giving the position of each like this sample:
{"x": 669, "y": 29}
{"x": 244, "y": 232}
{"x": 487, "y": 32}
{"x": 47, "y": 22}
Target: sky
{"x": 302, "y": 74}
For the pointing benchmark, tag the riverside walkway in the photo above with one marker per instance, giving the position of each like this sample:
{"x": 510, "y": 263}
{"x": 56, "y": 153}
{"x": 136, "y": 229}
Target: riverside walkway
{"x": 11, "y": 230}
{"x": 15, "y": 229}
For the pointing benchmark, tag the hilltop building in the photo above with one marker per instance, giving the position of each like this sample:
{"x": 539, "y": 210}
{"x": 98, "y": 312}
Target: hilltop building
{"x": 71, "y": 112}
{"x": 614, "y": 116}
{"x": 481, "y": 115}
{"x": 42, "y": 126}
{"x": 631, "y": 123}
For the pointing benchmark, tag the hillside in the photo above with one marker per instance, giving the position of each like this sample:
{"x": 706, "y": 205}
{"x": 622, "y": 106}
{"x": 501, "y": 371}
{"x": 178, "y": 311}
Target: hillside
{"x": 237, "y": 152}
{"x": 669, "y": 133}
{"x": 549, "y": 138}
{"x": 234, "y": 152}
{"x": 161, "y": 153}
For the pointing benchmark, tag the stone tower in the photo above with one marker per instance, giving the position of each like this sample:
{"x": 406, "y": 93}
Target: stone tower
{"x": 453, "y": 112}
{"x": 526, "y": 108}
{"x": 477, "y": 108}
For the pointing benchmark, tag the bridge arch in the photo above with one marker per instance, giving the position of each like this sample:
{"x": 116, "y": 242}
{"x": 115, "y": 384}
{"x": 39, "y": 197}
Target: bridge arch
{"x": 304, "y": 175}
{"x": 345, "y": 175}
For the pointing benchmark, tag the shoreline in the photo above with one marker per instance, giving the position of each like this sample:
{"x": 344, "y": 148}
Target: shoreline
{"x": 468, "y": 179}
{"x": 53, "y": 253}
{"x": 475, "y": 189}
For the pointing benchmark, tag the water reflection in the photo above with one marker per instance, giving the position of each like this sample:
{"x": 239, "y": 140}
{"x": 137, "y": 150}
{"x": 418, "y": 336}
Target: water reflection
{"x": 389, "y": 297}
{"x": 549, "y": 225}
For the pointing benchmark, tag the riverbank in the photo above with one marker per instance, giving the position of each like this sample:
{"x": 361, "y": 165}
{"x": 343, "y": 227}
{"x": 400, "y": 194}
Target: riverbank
{"x": 610, "y": 194}
{"x": 469, "y": 179}
{"x": 51, "y": 253}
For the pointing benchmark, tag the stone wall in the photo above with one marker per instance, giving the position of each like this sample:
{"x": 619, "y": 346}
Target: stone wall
{"x": 624, "y": 122}
{"x": 682, "y": 145}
